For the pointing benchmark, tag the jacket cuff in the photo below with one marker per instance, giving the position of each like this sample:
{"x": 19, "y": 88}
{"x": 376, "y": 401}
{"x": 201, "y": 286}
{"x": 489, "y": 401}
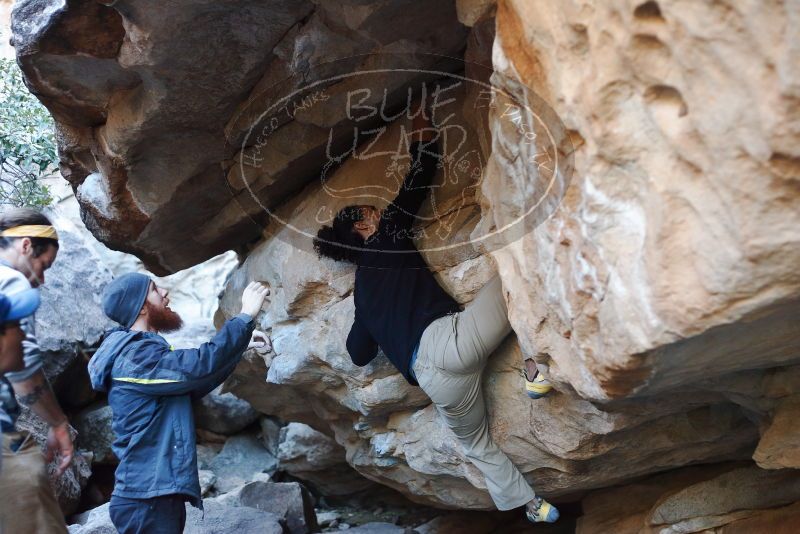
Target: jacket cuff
{"x": 244, "y": 317}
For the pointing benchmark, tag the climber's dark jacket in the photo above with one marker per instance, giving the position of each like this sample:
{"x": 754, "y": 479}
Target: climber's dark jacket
{"x": 150, "y": 390}
{"x": 396, "y": 295}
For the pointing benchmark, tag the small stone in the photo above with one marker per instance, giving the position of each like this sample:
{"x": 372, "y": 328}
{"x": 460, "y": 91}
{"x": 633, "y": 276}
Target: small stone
{"x": 270, "y": 434}
{"x": 288, "y": 500}
{"x": 317, "y": 459}
{"x": 208, "y": 437}
{"x": 223, "y": 413}
{"x": 207, "y": 480}
{"x": 241, "y": 459}
{"x": 94, "y": 432}
{"x": 206, "y": 453}
{"x": 328, "y": 518}
{"x": 262, "y": 477}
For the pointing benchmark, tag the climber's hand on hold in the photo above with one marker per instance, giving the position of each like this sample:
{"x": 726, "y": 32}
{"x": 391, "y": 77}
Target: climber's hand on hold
{"x": 253, "y": 298}
{"x": 260, "y": 342}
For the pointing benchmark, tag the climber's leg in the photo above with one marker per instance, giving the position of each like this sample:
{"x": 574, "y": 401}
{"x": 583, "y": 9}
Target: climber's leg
{"x": 470, "y": 424}
{"x": 480, "y": 328}
{"x": 459, "y": 399}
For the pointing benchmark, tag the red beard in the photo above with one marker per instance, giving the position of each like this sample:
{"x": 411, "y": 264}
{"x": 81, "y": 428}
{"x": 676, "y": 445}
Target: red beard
{"x": 162, "y": 319}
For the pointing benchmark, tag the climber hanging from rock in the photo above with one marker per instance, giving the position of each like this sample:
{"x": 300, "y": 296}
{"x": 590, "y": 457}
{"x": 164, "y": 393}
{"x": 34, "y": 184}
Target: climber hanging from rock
{"x": 150, "y": 389}
{"x": 400, "y": 307}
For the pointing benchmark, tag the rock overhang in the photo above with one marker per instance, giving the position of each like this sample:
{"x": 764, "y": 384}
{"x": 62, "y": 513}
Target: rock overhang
{"x": 155, "y": 106}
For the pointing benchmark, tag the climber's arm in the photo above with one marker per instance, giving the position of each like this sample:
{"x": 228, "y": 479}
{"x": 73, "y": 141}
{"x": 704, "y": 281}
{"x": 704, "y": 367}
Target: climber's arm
{"x": 424, "y": 159}
{"x": 360, "y": 345}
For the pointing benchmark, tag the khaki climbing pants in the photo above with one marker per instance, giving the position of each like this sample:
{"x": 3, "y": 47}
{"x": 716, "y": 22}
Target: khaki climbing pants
{"x": 27, "y": 502}
{"x": 452, "y": 353}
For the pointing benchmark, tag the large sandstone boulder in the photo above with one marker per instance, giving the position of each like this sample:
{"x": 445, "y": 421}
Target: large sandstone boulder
{"x": 673, "y": 255}
{"x": 565, "y": 444}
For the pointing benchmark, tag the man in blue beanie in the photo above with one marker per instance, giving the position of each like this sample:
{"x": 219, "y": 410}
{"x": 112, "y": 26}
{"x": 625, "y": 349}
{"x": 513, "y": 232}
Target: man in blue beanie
{"x": 150, "y": 390}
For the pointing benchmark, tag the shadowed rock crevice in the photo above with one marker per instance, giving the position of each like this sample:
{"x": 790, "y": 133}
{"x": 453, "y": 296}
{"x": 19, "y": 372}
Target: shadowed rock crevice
{"x": 68, "y": 35}
{"x": 648, "y": 11}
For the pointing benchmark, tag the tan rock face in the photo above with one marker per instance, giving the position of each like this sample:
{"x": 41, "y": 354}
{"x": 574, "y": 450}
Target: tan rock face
{"x": 778, "y": 446}
{"x": 723, "y": 498}
{"x": 673, "y": 255}
{"x": 318, "y": 460}
{"x": 646, "y": 282}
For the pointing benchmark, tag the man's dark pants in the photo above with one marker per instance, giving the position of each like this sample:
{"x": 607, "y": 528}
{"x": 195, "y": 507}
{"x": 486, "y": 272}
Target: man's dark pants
{"x": 159, "y": 515}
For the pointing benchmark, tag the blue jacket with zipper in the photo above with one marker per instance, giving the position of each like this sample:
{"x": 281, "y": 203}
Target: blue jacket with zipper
{"x": 150, "y": 389}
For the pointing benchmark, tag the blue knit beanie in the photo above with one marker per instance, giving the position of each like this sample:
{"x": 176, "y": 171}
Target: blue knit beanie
{"x": 124, "y": 297}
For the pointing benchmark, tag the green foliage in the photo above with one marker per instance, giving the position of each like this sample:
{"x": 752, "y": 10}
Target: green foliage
{"x": 27, "y": 142}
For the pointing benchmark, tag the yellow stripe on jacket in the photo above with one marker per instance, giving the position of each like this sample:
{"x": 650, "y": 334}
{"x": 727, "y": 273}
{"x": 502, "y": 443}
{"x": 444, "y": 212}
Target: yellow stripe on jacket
{"x": 147, "y": 380}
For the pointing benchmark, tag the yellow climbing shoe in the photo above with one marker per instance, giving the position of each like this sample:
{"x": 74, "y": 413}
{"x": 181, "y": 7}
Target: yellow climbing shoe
{"x": 541, "y": 512}
{"x": 538, "y": 387}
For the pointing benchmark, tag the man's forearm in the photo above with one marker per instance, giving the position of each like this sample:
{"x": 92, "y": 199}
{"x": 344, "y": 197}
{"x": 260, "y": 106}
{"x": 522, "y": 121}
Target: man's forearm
{"x": 35, "y": 393}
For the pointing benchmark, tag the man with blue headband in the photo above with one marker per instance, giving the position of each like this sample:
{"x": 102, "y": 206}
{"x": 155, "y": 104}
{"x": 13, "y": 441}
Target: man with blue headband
{"x": 28, "y": 505}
